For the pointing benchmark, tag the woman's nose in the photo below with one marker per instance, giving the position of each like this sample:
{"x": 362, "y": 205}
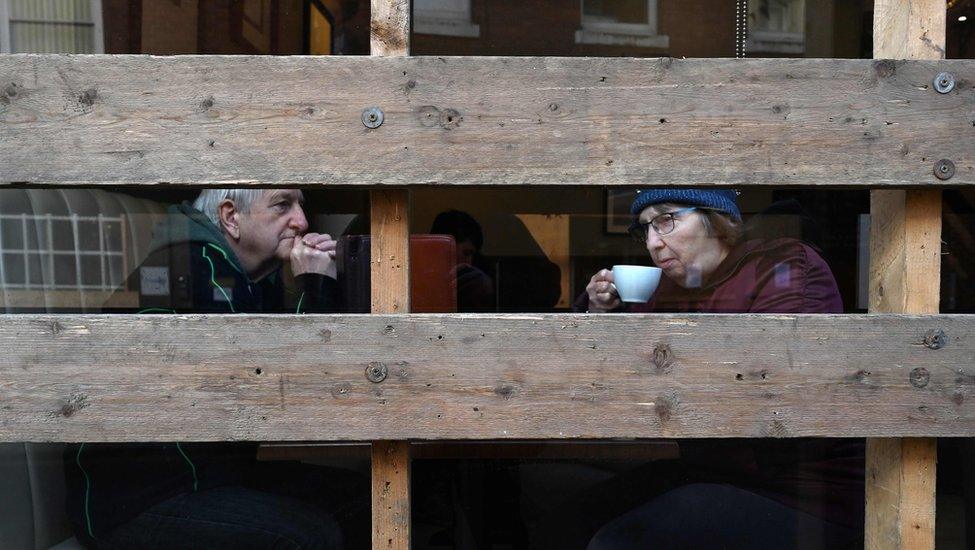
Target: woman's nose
{"x": 654, "y": 241}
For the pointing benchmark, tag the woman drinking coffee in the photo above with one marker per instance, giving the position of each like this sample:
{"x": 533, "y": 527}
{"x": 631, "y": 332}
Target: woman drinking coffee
{"x": 724, "y": 493}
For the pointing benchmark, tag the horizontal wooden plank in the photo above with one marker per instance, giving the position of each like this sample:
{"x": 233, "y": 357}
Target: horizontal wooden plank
{"x": 212, "y": 121}
{"x": 484, "y": 450}
{"x": 165, "y": 377}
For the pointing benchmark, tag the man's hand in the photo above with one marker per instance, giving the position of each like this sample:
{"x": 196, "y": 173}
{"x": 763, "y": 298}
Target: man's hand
{"x": 314, "y": 253}
{"x": 602, "y": 292}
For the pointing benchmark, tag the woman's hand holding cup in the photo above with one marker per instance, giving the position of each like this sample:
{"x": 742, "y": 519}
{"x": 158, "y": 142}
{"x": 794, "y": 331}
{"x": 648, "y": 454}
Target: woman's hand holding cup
{"x": 602, "y": 292}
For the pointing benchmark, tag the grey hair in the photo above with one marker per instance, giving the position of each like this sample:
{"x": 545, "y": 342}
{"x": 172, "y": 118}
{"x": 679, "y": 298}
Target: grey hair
{"x": 209, "y": 201}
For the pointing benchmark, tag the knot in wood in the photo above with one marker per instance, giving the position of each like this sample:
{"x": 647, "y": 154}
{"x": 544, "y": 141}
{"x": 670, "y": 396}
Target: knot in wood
{"x": 884, "y": 68}
{"x": 376, "y": 372}
{"x": 936, "y": 339}
{"x": 663, "y": 358}
{"x": 920, "y": 377}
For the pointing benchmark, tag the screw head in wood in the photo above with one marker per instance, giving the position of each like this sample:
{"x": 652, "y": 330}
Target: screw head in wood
{"x": 376, "y": 372}
{"x": 944, "y": 83}
{"x": 944, "y": 169}
{"x": 372, "y": 117}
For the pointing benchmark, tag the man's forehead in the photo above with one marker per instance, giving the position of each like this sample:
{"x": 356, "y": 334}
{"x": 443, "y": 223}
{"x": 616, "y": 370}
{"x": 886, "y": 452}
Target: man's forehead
{"x": 292, "y": 194}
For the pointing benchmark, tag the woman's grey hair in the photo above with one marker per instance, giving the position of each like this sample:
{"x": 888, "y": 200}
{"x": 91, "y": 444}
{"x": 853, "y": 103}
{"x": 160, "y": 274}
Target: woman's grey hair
{"x": 209, "y": 201}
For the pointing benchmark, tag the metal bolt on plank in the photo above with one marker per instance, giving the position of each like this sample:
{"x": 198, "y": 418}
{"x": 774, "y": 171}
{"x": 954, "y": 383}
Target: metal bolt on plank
{"x": 372, "y": 117}
{"x": 944, "y": 169}
{"x": 944, "y": 83}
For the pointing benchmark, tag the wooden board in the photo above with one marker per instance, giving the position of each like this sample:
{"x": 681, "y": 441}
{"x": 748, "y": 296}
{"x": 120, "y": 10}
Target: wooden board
{"x": 485, "y": 450}
{"x": 243, "y": 377}
{"x": 389, "y": 36}
{"x": 905, "y": 277}
{"x": 901, "y": 478}
{"x": 390, "y": 253}
{"x": 218, "y": 121}
{"x": 390, "y": 495}
{"x": 389, "y": 31}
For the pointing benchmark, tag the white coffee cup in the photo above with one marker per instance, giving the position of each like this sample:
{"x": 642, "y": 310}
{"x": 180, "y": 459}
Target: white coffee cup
{"x": 636, "y": 283}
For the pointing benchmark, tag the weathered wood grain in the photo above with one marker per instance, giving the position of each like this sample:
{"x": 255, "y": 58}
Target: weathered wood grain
{"x": 389, "y": 36}
{"x": 389, "y": 28}
{"x": 166, "y": 377}
{"x": 900, "y": 483}
{"x": 905, "y": 251}
{"x": 390, "y": 255}
{"x": 391, "y": 495}
{"x": 905, "y": 273}
{"x": 214, "y": 121}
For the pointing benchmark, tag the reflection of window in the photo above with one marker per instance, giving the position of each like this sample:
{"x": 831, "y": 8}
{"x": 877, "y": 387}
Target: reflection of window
{"x": 621, "y": 22}
{"x": 61, "y": 252}
{"x": 445, "y": 17}
{"x": 776, "y": 26}
{"x": 51, "y": 26}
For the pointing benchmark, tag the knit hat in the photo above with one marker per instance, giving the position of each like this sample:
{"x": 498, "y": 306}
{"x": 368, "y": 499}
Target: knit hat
{"x": 724, "y": 200}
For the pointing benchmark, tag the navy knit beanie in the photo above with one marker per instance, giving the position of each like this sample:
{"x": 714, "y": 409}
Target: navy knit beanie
{"x": 724, "y": 200}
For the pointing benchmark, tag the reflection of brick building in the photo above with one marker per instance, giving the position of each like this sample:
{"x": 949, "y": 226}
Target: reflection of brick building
{"x": 165, "y": 27}
{"x": 683, "y": 28}
{"x": 641, "y": 28}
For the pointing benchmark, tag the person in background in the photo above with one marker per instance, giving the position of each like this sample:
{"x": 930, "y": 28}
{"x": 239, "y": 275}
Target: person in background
{"x": 223, "y": 253}
{"x": 475, "y": 288}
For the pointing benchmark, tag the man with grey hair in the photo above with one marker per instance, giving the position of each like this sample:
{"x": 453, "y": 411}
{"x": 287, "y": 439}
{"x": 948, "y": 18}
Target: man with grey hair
{"x": 224, "y": 253}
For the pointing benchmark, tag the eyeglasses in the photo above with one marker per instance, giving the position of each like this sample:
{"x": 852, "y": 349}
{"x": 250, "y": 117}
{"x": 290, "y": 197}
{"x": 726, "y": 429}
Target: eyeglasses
{"x": 662, "y": 224}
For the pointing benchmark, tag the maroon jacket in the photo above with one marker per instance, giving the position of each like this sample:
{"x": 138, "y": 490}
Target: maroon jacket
{"x": 821, "y": 477}
{"x": 778, "y": 276}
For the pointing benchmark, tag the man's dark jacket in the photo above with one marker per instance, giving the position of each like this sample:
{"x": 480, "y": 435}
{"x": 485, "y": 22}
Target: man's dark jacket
{"x": 190, "y": 268}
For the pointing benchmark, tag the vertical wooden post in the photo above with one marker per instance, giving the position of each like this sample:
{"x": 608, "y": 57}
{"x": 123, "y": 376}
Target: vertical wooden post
{"x": 390, "y": 269}
{"x": 905, "y": 277}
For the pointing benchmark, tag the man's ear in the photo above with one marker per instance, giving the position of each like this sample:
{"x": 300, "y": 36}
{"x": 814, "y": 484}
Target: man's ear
{"x": 229, "y": 217}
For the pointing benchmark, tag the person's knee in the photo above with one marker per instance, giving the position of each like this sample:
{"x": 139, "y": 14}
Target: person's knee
{"x": 312, "y": 532}
{"x": 661, "y": 521}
